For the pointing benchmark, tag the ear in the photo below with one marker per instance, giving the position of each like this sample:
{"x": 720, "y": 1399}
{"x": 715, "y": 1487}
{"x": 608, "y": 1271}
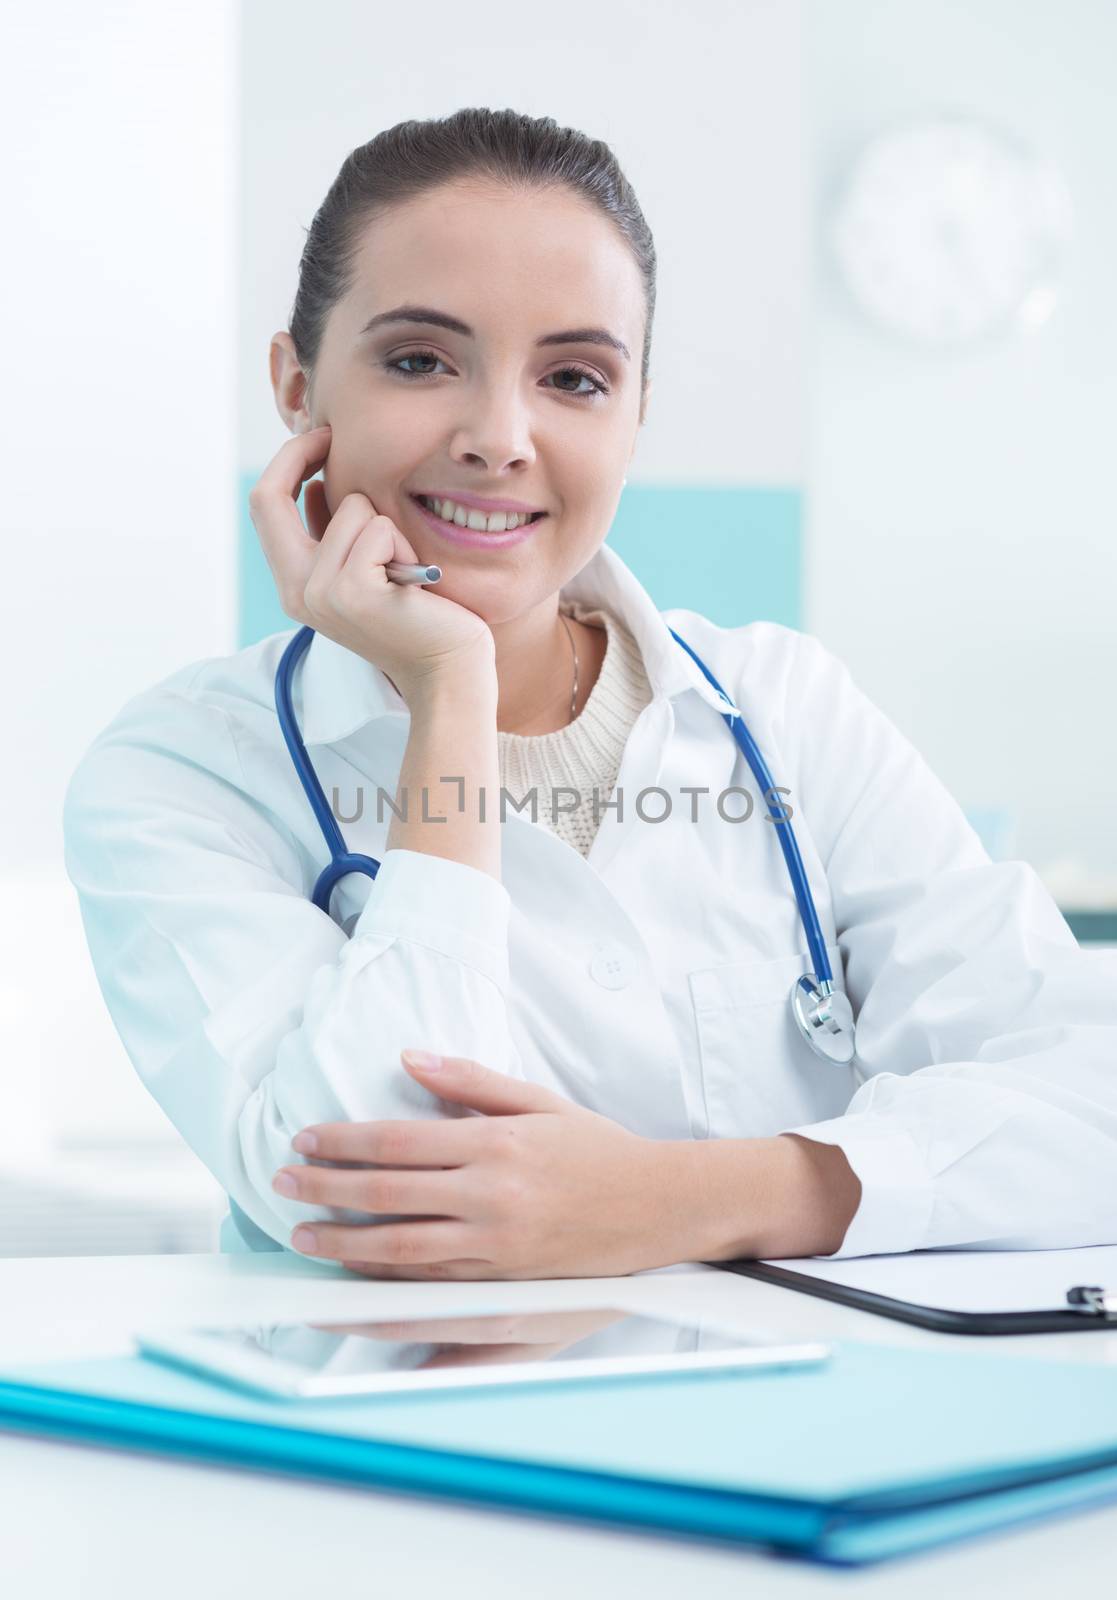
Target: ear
{"x": 289, "y": 383}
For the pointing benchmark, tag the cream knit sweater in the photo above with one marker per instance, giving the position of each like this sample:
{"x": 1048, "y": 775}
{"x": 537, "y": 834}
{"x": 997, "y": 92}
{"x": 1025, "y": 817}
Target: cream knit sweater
{"x": 586, "y": 754}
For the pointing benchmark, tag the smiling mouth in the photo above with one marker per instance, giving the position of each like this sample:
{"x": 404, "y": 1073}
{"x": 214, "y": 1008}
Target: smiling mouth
{"x": 464, "y": 527}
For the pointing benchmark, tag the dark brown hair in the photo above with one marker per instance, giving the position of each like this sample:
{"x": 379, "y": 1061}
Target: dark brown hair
{"x": 406, "y": 160}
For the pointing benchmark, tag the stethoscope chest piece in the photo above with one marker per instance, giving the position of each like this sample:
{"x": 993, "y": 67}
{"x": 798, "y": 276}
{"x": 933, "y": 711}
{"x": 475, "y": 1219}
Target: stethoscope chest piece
{"x": 824, "y": 1017}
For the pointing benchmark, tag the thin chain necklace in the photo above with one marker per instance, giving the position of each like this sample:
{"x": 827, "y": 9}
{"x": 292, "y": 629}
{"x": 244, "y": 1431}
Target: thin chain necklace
{"x": 574, "y": 647}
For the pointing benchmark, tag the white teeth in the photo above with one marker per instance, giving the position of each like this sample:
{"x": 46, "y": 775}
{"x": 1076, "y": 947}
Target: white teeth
{"x": 498, "y": 522}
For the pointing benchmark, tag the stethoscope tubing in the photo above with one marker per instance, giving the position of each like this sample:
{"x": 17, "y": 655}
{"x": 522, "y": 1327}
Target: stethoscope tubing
{"x": 342, "y": 861}
{"x": 788, "y": 843}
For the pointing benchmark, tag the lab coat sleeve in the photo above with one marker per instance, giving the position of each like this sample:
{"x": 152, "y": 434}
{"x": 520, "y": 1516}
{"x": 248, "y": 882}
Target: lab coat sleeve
{"x": 989, "y": 1120}
{"x": 244, "y": 1009}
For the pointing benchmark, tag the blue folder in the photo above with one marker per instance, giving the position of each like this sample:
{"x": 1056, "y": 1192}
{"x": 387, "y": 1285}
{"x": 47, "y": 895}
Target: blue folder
{"x": 876, "y": 1453}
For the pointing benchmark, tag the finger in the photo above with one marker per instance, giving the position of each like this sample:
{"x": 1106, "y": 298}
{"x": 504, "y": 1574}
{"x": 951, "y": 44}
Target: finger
{"x": 297, "y": 459}
{"x": 288, "y": 549}
{"x": 344, "y": 530}
{"x": 409, "y": 1194}
{"x": 356, "y": 547}
{"x": 468, "y": 1083}
{"x": 388, "y": 539}
{"x": 443, "y": 1142}
{"x": 397, "y": 1244}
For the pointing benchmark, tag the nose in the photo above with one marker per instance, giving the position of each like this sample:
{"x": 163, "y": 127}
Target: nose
{"x": 495, "y": 437}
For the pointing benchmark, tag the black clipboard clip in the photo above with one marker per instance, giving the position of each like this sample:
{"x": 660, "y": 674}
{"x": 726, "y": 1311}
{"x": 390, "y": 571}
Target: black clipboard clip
{"x": 1093, "y": 1300}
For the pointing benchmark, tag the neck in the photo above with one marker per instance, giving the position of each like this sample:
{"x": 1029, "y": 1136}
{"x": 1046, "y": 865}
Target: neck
{"x": 535, "y": 669}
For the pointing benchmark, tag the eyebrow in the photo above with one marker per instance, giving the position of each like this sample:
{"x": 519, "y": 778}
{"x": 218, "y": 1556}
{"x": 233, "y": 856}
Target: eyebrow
{"x": 440, "y": 319}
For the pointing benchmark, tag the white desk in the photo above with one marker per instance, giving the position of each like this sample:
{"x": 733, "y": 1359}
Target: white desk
{"x": 112, "y": 1525}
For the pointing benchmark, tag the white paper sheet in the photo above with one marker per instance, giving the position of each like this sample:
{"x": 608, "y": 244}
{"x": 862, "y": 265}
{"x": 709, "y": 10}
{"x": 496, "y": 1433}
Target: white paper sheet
{"x": 971, "y": 1280}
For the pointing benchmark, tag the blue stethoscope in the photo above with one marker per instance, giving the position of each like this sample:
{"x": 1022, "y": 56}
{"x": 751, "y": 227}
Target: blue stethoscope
{"x": 822, "y": 1013}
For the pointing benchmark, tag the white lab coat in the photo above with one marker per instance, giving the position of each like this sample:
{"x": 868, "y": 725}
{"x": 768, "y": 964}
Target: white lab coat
{"x": 649, "y": 981}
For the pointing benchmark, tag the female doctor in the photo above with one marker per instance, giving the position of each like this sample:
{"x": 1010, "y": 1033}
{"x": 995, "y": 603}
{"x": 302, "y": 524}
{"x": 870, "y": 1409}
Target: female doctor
{"x": 518, "y": 1049}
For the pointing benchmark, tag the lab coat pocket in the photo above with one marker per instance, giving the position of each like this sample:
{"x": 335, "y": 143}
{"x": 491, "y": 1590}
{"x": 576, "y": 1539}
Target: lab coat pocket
{"x": 759, "y": 1075}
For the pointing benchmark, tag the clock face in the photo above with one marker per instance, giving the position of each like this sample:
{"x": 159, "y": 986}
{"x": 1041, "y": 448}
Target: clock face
{"x": 947, "y": 231}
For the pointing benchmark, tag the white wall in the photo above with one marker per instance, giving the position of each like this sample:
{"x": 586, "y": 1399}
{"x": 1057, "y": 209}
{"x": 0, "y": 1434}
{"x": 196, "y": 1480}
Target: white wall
{"x": 118, "y": 406}
{"x": 961, "y": 509}
{"x": 118, "y": 512}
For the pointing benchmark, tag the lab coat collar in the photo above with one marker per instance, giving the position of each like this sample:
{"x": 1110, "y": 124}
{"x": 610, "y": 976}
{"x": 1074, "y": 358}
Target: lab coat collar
{"x": 342, "y": 692}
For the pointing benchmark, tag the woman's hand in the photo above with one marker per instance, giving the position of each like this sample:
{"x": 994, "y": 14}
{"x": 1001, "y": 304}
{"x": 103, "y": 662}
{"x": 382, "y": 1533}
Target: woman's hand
{"x": 333, "y": 580}
{"x": 536, "y": 1188}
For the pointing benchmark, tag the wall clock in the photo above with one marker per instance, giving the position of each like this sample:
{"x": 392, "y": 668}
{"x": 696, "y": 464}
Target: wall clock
{"x": 948, "y": 231}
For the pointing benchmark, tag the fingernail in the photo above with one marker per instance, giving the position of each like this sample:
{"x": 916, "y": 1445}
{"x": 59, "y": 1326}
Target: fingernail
{"x": 304, "y": 1239}
{"x": 423, "y": 1059}
{"x": 284, "y": 1183}
{"x": 305, "y": 1143}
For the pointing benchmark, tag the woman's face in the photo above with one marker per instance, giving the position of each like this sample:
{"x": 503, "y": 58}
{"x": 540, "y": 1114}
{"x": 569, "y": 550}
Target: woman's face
{"x": 552, "y": 425}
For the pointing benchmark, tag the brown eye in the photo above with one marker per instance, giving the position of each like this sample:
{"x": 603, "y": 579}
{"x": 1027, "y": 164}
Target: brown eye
{"x": 582, "y": 372}
{"x": 597, "y": 390}
{"x": 412, "y": 355}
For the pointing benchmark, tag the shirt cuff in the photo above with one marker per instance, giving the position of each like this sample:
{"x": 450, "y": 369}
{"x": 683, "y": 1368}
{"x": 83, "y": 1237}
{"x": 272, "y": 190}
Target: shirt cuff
{"x": 897, "y": 1191}
{"x": 449, "y": 906}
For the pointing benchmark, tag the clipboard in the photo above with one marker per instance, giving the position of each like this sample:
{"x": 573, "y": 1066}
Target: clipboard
{"x": 1040, "y": 1291}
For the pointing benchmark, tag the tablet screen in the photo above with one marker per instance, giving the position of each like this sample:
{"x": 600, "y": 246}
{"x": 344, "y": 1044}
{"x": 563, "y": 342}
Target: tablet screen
{"x": 342, "y": 1358}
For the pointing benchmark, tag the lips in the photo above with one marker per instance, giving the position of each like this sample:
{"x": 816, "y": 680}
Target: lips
{"x": 485, "y": 503}
{"x": 474, "y": 538}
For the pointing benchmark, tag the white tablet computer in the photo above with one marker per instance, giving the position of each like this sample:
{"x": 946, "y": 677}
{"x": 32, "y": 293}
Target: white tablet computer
{"x": 310, "y": 1360}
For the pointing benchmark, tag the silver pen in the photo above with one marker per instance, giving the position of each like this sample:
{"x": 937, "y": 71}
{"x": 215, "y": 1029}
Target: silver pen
{"x": 404, "y": 572}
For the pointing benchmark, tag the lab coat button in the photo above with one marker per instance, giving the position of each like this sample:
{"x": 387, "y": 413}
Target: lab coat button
{"x": 612, "y": 966}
